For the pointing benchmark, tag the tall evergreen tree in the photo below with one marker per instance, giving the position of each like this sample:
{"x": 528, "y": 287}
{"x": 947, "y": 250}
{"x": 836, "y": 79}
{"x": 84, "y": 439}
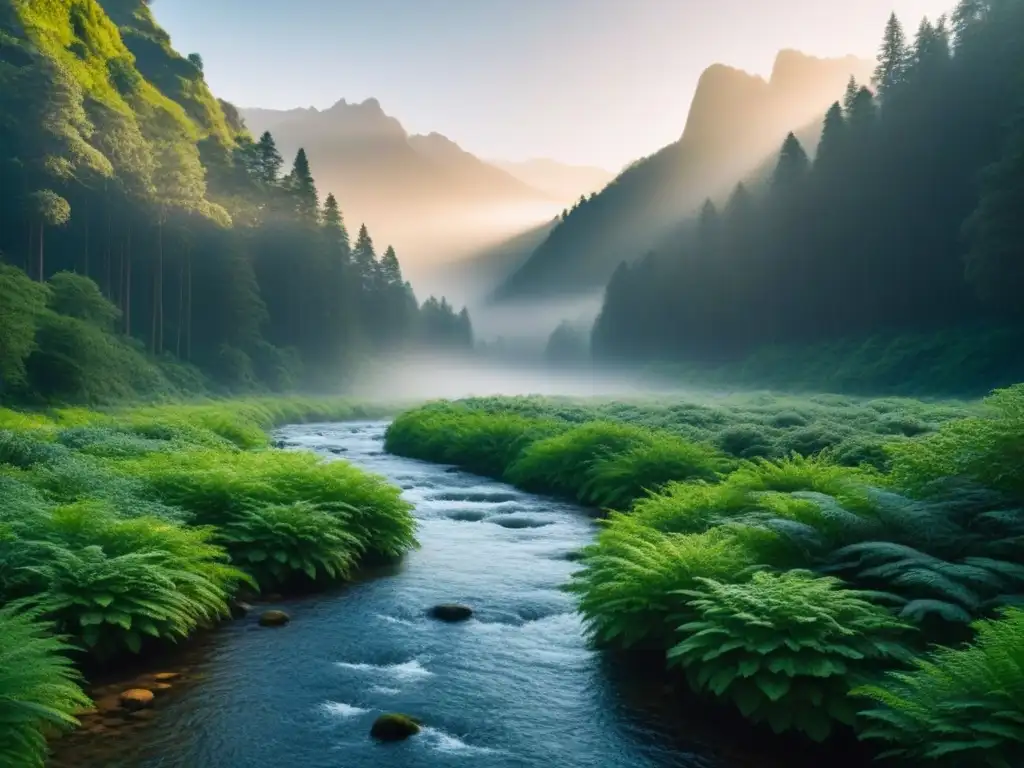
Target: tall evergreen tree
{"x": 833, "y": 139}
{"x": 792, "y": 166}
{"x": 270, "y": 162}
{"x": 893, "y": 58}
{"x": 303, "y": 189}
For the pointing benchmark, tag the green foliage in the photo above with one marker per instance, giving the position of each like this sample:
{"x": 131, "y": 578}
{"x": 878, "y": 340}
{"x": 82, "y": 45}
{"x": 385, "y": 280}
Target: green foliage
{"x": 630, "y": 581}
{"x": 276, "y": 543}
{"x": 39, "y": 692}
{"x": 21, "y": 304}
{"x": 138, "y": 525}
{"x": 79, "y": 297}
{"x": 786, "y": 649}
{"x": 987, "y": 449}
{"x": 960, "y": 706}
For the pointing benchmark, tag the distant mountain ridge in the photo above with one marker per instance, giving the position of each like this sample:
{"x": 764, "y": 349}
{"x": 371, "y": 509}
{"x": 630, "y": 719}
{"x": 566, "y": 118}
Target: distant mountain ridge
{"x": 424, "y": 194}
{"x": 560, "y": 180}
{"x": 736, "y": 122}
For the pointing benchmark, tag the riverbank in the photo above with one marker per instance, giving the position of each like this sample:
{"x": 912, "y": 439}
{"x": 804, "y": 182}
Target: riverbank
{"x": 790, "y": 587}
{"x": 127, "y": 530}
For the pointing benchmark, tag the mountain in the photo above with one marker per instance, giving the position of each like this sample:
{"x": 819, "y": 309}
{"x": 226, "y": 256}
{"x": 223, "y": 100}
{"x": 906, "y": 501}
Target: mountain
{"x": 424, "y": 194}
{"x": 563, "y": 182}
{"x": 736, "y": 121}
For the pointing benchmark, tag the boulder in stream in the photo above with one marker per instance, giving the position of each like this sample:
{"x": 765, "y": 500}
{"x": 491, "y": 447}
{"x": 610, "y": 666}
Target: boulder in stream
{"x": 451, "y": 612}
{"x": 274, "y": 619}
{"x": 394, "y": 727}
{"x": 135, "y": 699}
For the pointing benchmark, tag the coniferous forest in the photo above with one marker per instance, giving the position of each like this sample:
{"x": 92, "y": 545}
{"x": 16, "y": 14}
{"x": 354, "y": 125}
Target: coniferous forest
{"x": 149, "y": 242}
{"x": 901, "y": 237}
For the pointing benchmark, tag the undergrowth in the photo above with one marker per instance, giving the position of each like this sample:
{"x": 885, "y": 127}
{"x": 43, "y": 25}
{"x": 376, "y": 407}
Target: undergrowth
{"x": 785, "y": 551}
{"x": 135, "y": 527}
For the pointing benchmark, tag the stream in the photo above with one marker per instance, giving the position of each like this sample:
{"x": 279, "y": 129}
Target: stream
{"x": 516, "y": 686}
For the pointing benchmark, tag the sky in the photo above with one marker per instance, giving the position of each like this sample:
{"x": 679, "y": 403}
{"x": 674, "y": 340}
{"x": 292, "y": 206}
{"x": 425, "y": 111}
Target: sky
{"x": 594, "y": 82}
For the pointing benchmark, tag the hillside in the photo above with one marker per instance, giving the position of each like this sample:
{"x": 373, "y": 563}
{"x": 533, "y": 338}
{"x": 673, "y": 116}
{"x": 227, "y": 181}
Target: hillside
{"x": 427, "y": 196}
{"x": 149, "y": 246}
{"x": 736, "y": 121}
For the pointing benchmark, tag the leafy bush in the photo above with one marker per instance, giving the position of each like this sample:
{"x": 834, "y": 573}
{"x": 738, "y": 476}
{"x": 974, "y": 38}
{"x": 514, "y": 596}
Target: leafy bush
{"x": 218, "y": 488}
{"x": 630, "y": 581}
{"x": 617, "y": 480}
{"x": 39, "y": 691}
{"x": 987, "y": 449}
{"x": 961, "y": 705}
{"x": 786, "y": 648}
{"x": 747, "y": 441}
{"x": 278, "y": 542}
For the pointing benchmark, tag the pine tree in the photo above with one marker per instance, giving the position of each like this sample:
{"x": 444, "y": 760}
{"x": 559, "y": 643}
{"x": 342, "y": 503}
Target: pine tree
{"x": 850, "y": 96}
{"x": 334, "y": 223}
{"x": 269, "y": 161}
{"x": 390, "y": 270}
{"x": 893, "y": 58}
{"x": 861, "y": 118}
{"x": 833, "y": 139}
{"x": 303, "y": 189}
{"x": 364, "y": 257}
{"x": 792, "y": 166}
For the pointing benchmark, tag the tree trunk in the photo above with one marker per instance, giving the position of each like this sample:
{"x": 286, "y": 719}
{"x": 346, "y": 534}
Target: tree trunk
{"x": 42, "y": 237}
{"x": 106, "y": 252}
{"x": 128, "y": 285}
{"x": 188, "y": 334}
{"x": 181, "y": 310}
{"x": 86, "y": 236}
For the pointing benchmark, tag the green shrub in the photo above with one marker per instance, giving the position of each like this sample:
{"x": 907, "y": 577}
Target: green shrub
{"x": 629, "y": 583}
{"x": 559, "y": 464}
{"x": 987, "y": 449}
{"x": 747, "y": 441}
{"x": 218, "y": 488}
{"x": 39, "y": 692}
{"x": 963, "y": 706}
{"x": 617, "y": 480}
{"x": 277, "y": 543}
{"x": 785, "y": 649}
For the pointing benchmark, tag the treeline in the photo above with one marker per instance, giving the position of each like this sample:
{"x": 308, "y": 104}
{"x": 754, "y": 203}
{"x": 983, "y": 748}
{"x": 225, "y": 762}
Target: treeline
{"x": 116, "y": 163}
{"x": 907, "y": 221}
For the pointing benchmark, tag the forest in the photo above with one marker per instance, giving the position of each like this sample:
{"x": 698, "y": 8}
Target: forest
{"x": 149, "y": 242}
{"x": 898, "y": 245}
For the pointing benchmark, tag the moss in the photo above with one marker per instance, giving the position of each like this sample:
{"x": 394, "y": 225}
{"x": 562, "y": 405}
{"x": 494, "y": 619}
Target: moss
{"x": 394, "y": 727}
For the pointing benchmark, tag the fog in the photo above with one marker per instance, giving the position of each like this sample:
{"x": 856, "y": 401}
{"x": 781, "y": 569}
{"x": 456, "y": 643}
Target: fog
{"x": 418, "y": 377}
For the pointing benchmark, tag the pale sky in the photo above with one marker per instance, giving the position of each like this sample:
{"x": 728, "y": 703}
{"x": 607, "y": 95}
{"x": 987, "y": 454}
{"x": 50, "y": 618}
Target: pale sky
{"x": 598, "y": 82}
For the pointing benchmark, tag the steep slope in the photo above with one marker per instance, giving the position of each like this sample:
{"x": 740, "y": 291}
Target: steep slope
{"x": 425, "y": 195}
{"x": 563, "y": 182}
{"x": 736, "y": 121}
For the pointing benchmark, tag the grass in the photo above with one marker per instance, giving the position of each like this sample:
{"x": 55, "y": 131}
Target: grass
{"x": 137, "y": 526}
{"x": 794, "y": 556}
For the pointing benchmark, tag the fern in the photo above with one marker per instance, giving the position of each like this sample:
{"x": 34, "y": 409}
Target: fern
{"x": 276, "y": 543}
{"x": 786, "y": 648}
{"x": 39, "y": 691}
{"x": 964, "y": 705}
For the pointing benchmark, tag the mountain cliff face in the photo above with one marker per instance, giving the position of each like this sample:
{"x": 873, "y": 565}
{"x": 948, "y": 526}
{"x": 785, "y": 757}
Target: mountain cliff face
{"x": 736, "y": 122}
{"x": 422, "y": 193}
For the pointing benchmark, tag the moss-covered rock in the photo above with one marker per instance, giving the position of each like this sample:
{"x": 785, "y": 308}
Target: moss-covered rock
{"x": 451, "y": 612}
{"x": 136, "y": 699}
{"x": 274, "y": 619}
{"x": 394, "y": 727}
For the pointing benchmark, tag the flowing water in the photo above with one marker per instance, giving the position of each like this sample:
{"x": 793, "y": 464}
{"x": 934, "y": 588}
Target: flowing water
{"x": 514, "y": 687}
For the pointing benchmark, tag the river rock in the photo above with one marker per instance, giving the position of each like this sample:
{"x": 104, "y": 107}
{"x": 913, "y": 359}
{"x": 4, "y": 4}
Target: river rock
{"x": 274, "y": 619}
{"x": 451, "y": 612}
{"x": 136, "y": 698}
{"x": 166, "y": 677}
{"x": 240, "y": 609}
{"x": 394, "y": 727}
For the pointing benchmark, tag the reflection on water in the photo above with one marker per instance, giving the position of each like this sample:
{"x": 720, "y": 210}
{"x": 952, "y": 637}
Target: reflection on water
{"x": 515, "y": 686}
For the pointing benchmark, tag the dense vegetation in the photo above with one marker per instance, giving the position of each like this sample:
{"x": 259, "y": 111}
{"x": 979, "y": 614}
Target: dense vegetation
{"x": 130, "y": 529}
{"x": 897, "y": 246}
{"x": 118, "y": 164}
{"x": 799, "y": 560}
